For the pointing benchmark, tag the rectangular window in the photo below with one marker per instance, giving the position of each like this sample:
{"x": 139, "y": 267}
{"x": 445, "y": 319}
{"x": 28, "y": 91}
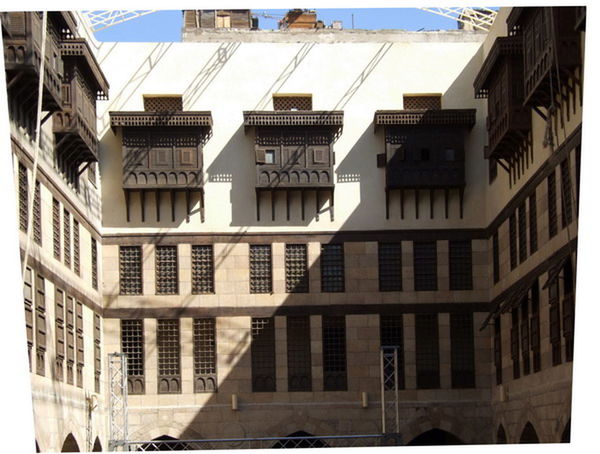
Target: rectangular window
{"x": 534, "y": 327}
{"x": 296, "y": 268}
{"x": 425, "y": 265}
{"x": 514, "y": 343}
{"x": 461, "y": 265}
{"x": 59, "y": 320}
{"x": 332, "y": 268}
{"x": 94, "y": 264}
{"x": 28, "y": 302}
{"x": 334, "y": 353}
{"x": 23, "y": 198}
{"x": 40, "y": 323}
{"x": 552, "y": 217}
{"x": 80, "y": 346}
{"x": 76, "y": 245}
{"x": 167, "y": 345}
{"x": 67, "y": 237}
{"x": 496, "y": 258}
{"x": 205, "y": 355}
{"x": 555, "y": 338}
{"x": 202, "y": 269}
{"x": 299, "y": 354}
{"x": 263, "y": 355}
{"x": 522, "y": 233}
{"x": 132, "y": 345}
{"x": 498, "y": 349}
{"x": 512, "y": 233}
{"x": 166, "y": 270}
{"x": 70, "y": 339}
{"x": 390, "y": 267}
{"x": 260, "y": 268}
{"x": 97, "y": 352}
{"x": 427, "y": 351}
{"x": 130, "y": 270}
{"x": 56, "y": 228}
{"x": 37, "y": 214}
{"x": 566, "y": 192}
{"x": 532, "y": 223}
{"x": 525, "y": 341}
{"x": 462, "y": 350}
{"x": 391, "y": 334}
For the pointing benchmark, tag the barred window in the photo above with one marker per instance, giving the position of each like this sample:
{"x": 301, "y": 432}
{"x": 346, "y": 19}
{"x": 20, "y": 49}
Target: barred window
{"x": 498, "y": 349}
{"x": 532, "y": 223}
{"x": 132, "y": 345}
{"x": 130, "y": 270}
{"x": 299, "y": 354}
{"x": 391, "y": 335}
{"x": 555, "y": 339}
{"x": 566, "y": 193}
{"x": 76, "y": 267}
{"x": 37, "y": 214}
{"x": 427, "y": 351}
{"x": 169, "y": 368}
{"x": 296, "y": 268}
{"x": 425, "y": 265}
{"x": 461, "y": 265}
{"x": 23, "y": 198}
{"x": 70, "y": 309}
{"x": 263, "y": 355}
{"x": 568, "y": 307}
{"x": 97, "y": 352}
{"x": 80, "y": 346}
{"x": 514, "y": 343}
{"x": 40, "y": 323}
{"x": 28, "y": 302}
{"x": 522, "y": 233}
{"x": 166, "y": 270}
{"x": 535, "y": 327}
{"x": 202, "y": 269}
{"x": 260, "y": 268}
{"x": 462, "y": 350}
{"x": 334, "y": 353}
{"x": 205, "y": 355}
{"x": 67, "y": 237}
{"x": 512, "y": 233}
{"x": 390, "y": 267}
{"x": 59, "y": 320}
{"x": 56, "y": 228}
{"x": 332, "y": 267}
{"x": 496, "y": 258}
{"x": 525, "y": 341}
{"x": 552, "y": 217}
{"x": 94, "y": 264}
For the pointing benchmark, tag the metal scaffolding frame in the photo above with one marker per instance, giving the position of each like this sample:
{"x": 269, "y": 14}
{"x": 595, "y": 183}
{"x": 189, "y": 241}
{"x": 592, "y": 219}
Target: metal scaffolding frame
{"x": 99, "y": 20}
{"x": 479, "y": 17}
{"x": 390, "y": 412}
{"x": 117, "y": 374}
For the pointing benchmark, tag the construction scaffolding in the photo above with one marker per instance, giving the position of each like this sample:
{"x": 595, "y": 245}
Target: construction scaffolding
{"x": 117, "y": 374}
{"x": 390, "y": 412}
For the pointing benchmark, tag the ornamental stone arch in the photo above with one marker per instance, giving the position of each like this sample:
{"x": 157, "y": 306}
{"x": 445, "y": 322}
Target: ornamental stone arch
{"x": 436, "y": 419}
{"x": 528, "y": 415}
{"x": 302, "y": 422}
{"x": 564, "y": 418}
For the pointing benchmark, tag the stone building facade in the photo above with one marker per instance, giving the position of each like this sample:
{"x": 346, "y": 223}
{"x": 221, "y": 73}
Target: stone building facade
{"x": 271, "y": 208}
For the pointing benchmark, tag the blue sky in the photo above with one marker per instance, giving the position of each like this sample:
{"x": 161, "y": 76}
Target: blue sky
{"x": 166, "y": 25}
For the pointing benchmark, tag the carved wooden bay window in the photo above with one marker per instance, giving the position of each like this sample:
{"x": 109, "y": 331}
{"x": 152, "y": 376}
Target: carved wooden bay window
{"x": 162, "y": 152}
{"x": 424, "y": 150}
{"x": 294, "y": 152}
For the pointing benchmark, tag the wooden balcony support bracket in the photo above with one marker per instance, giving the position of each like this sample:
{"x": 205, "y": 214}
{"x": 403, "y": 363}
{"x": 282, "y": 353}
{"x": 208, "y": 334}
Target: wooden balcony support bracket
{"x": 83, "y": 169}
{"x": 14, "y": 80}
{"x": 48, "y": 115}
{"x": 127, "y": 205}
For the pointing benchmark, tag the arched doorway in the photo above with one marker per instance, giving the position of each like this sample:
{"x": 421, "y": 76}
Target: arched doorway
{"x": 300, "y": 443}
{"x": 159, "y": 445}
{"x": 70, "y": 444}
{"x": 37, "y": 447}
{"x": 566, "y": 435}
{"x": 529, "y": 435}
{"x": 435, "y": 437}
{"x": 501, "y": 436}
{"x": 97, "y": 445}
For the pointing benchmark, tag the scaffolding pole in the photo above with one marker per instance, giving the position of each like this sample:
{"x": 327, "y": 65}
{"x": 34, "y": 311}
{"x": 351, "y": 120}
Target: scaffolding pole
{"x": 390, "y": 410}
{"x": 117, "y": 373}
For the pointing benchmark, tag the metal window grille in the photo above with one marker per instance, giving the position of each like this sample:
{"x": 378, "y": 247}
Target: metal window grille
{"x": 391, "y": 333}
{"x": 552, "y": 216}
{"x": 425, "y": 265}
{"x": 67, "y": 237}
{"x": 427, "y": 351}
{"x": 263, "y": 354}
{"x": 168, "y": 347}
{"x": 296, "y": 268}
{"x": 76, "y": 247}
{"x": 130, "y": 270}
{"x": 94, "y": 264}
{"x": 332, "y": 267}
{"x": 334, "y": 353}
{"x": 40, "y": 323}
{"x": 522, "y": 233}
{"x": 80, "y": 347}
{"x": 534, "y": 327}
{"x": 205, "y": 355}
{"x": 28, "y": 302}
{"x": 416, "y": 102}
{"x": 514, "y": 343}
{"x": 299, "y": 354}
{"x": 390, "y": 267}
{"x": 37, "y": 214}
{"x": 462, "y": 350}
{"x": 166, "y": 270}
{"x": 512, "y": 233}
{"x": 461, "y": 265}
{"x": 97, "y": 352}
{"x": 496, "y": 257}
{"x": 23, "y": 198}
{"x": 533, "y": 243}
{"x": 498, "y": 349}
{"x": 56, "y": 228}
{"x": 163, "y": 103}
{"x": 132, "y": 345}
{"x": 525, "y": 341}
{"x": 566, "y": 188}
{"x": 59, "y": 319}
{"x": 70, "y": 339}
{"x": 260, "y": 269}
{"x": 292, "y": 102}
{"x": 202, "y": 269}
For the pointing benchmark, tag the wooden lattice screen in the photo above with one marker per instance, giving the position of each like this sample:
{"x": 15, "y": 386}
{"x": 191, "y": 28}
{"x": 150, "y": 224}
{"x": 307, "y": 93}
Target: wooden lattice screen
{"x": 292, "y": 102}
{"x": 419, "y": 102}
{"x": 163, "y": 103}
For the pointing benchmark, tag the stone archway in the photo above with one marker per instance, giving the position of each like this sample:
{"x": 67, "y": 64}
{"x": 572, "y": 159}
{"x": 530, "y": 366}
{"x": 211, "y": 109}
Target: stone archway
{"x": 37, "y": 447}
{"x": 529, "y": 435}
{"x": 435, "y": 437}
{"x": 70, "y": 444}
{"x": 158, "y": 444}
{"x": 310, "y": 443}
{"x": 97, "y": 445}
{"x": 501, "y": 435}
{"x": 566, "y": 435}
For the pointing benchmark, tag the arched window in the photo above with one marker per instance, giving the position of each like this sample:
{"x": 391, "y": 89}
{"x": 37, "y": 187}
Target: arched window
{"x": 435, "y": 437}
{"x": 501, "y": 435}
{"x": 164, "y": 443}
{"x": 566, "y": 435}
{"x": 299, "y": 439}
{"x": 529, "y": 435}
{"x": 70, "y": 444}
{"x": 97, "y": 445}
